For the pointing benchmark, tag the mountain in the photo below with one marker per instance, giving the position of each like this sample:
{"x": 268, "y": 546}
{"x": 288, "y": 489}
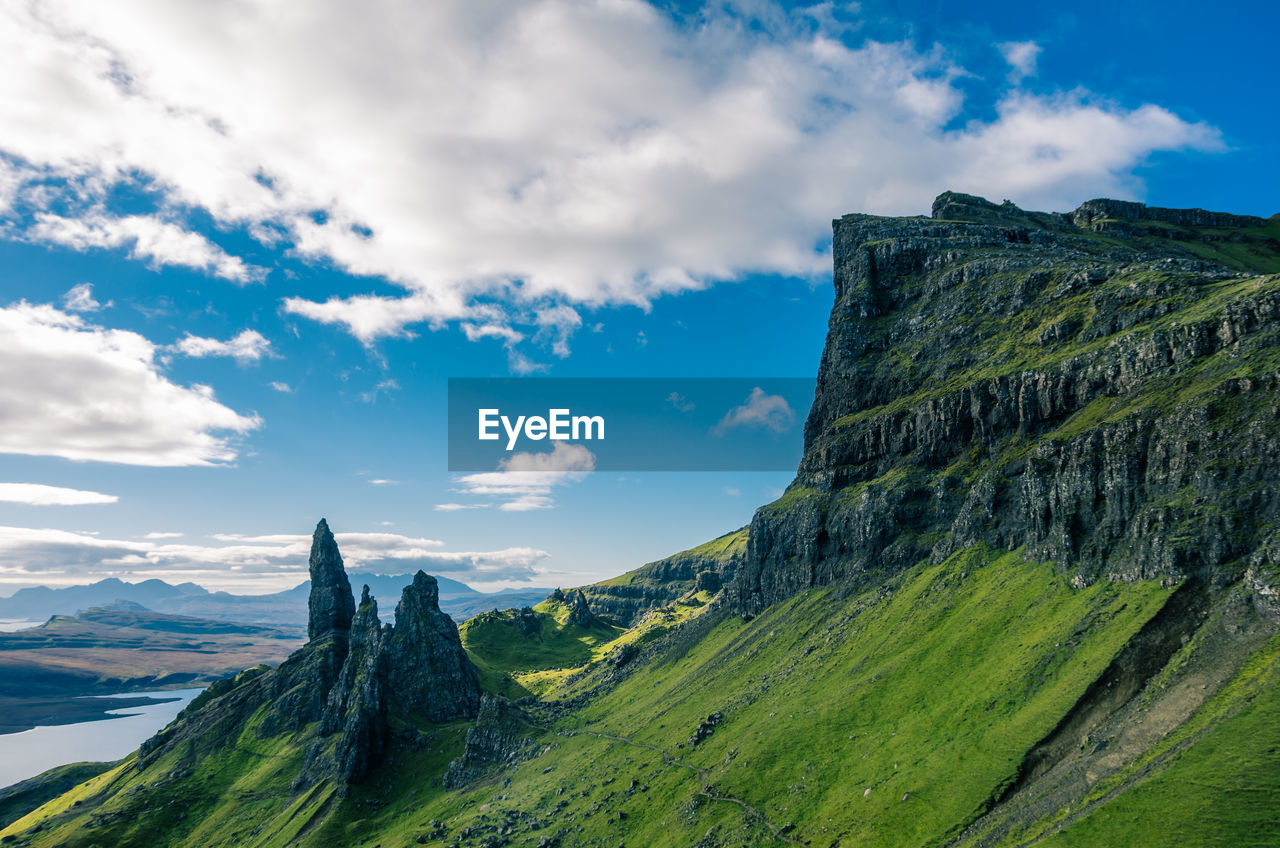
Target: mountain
{"x": 41, "y": 601}
{"x": 1024, "y": 590}
{"x": 283, "y": 608}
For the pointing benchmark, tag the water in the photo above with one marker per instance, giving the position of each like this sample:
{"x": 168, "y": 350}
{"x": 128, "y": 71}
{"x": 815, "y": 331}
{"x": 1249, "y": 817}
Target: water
{"x": 8, "y": 625}
{"x": 33, "y": 751}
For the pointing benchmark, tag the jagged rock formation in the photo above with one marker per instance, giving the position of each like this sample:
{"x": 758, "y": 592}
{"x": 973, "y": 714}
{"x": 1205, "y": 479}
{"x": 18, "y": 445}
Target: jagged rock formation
{"x": 349, "y": 683}
{"x": 428, "y": 674}
{"x": 501, "y": 736}
{"x": 1005, "y": 377}
{"x": 579, "y": 610}
{"x": 416, "y": 667}
{"x": 331, "y": 606}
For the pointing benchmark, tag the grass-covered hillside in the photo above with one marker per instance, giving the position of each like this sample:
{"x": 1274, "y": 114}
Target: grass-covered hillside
{"x": 893, "y": 717}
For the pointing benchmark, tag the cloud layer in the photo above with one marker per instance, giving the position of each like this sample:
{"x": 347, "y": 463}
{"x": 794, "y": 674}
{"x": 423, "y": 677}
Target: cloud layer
{"x": 80, "y": 391}
{"x": 500, "y": 161}
{"x": 38, "y": 494}
{"x": 245, "y": 564}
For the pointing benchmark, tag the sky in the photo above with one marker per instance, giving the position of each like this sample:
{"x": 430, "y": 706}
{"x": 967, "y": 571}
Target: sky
{"x": 244, "y": 246}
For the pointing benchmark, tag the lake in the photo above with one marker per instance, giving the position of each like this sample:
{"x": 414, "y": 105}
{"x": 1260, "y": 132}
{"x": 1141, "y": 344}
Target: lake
{"x": 26, "y": 754}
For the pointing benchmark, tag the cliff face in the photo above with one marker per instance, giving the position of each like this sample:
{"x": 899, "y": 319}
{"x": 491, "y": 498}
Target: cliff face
{"x": 1099, "y": 389}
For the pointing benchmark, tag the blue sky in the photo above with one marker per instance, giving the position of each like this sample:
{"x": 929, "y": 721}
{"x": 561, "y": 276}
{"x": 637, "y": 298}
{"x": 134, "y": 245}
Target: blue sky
{"x": 241, "y": 253}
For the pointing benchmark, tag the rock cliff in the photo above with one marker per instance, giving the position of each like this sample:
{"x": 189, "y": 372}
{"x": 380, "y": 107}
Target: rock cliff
{"x": 1105, "y": 399}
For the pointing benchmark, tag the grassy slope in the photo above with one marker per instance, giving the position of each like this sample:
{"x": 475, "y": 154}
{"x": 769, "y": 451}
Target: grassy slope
{"x": 21, "y": 798}
{"x": 823, "y": 697}
{"x": 500, "y": 648}
{"x": 1213, "y": 782}
{"x": 930, "y": 690}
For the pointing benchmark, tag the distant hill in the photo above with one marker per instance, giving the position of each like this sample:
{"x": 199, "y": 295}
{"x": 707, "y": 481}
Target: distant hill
{"x": 289, "y": 607}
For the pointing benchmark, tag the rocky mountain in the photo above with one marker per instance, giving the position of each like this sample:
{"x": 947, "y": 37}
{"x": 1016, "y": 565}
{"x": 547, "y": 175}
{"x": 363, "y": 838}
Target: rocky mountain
{"x": 1023, "y": 591}
{"x": 1037, "y": 382}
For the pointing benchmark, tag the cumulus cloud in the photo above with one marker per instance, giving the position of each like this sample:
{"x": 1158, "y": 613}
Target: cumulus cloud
{"x": 283, "y": 388}
{"x": 85, "y": 392}
{"x": 160, "y": 242}
{"x": 37, "y": 494}
{"x": 240, "y": 563}
{"x": 1021, "y": 56}
{"x": 526, "y": 479}
{"x": 515, "y": 156}
{"x": 761, "y": 411}
{"x": 80, "y": 299}
{"x": 248, "y": 347}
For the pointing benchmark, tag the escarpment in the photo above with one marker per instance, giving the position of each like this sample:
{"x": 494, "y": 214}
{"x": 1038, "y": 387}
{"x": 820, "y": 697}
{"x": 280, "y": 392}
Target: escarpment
{"x": 1100, "y": 389}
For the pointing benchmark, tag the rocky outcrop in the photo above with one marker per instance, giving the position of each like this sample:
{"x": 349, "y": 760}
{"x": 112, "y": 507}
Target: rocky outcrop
{"x": 659, "y": 584}
{"x": 1125, "y": 210}
{"x": 428, "y": 673}
{"x": 349, "y": 685}
{"x": 579, "y": 610}
{"x": 331, "y": 605}
{"x": 501, "y": 736}
{"x": 1009, "y": 378}
{"x": 356, "y": 711}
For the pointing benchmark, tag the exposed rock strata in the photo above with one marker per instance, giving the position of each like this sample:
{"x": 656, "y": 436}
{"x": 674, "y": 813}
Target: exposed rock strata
{"x": 1009, "y": 378}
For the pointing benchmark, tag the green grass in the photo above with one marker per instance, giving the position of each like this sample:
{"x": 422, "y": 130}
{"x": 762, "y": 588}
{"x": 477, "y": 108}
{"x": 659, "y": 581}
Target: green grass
{"x": 500, "y": 648}
{"x": 1214, "y": 782}
{"x": 931, "y": 688}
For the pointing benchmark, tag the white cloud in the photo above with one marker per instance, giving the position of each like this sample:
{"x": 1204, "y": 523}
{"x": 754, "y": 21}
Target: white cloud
{"x": 516, "y": 156}
{"x": 1021, "y": 56}
{"x": 160, "y": 242}
{"x": 85, "y": 392}
{"x": 557, "y": 324}
{"x": 383, "y": 482}
{"x": 525, "y": 480}
{"x": 680, "y": 403}
{"x": 761, "y": 411}
{"x": 282, "y": 387}
{"x": 732, "y": 492}
{"x": 157, "y": 534}
{"x": 37, "y": 494}
{"x": 454, "y": 507}
{"x": 249, "y": 346}
{"x": 240, "y": 563}
{"x": 383, "y": 387}
{"x": 80, "y": 299}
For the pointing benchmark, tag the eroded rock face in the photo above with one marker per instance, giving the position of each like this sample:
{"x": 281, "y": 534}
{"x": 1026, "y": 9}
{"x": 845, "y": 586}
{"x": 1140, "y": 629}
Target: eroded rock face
{"x": 579, "y": 610}
{"x": 501, "y": 736}
{"x": 1003, "y": 377}
{"x": 351, "y": 682}
{"x": 356, "y": 709}
{"x": 415, "y": 668}
{"x": 331, "y": 605}
{"x": 428, "y": 672}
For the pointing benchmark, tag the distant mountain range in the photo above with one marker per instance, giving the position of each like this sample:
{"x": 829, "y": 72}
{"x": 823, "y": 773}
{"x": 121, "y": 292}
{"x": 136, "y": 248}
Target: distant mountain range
{"x": 281, "y": 608}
